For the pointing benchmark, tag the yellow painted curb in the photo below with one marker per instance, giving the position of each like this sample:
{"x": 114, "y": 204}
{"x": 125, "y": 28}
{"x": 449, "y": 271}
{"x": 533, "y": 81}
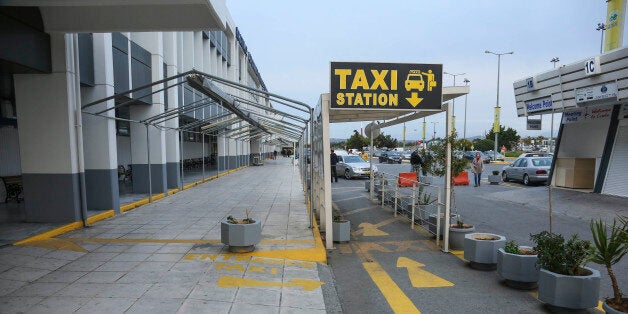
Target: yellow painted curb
{"x": 159, "y": 196}
{"x": 52, "y": 233}
{"x": 101, "y": 216}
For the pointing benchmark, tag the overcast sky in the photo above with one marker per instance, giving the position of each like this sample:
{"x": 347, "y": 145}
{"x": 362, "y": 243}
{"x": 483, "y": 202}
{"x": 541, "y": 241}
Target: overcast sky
{"x": 293, "y": 42}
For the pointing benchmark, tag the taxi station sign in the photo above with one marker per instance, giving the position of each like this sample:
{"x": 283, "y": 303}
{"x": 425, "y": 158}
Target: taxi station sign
{"x": 361, "y": 85}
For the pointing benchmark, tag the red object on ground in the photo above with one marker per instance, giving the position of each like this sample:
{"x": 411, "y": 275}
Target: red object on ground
{"x": 461, "y": 179}
{"x": 407, "y": 179}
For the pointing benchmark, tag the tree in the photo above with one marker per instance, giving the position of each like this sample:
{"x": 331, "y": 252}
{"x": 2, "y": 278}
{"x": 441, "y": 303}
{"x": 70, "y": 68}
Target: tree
{"x": 385, "y": 141}
{"x": 483, "y": 144}
{"x": 507, "y": 137}
{"x": 357, "y": 141}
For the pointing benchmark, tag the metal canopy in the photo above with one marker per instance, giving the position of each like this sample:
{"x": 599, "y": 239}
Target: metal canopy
{"x": 354, "y": 115}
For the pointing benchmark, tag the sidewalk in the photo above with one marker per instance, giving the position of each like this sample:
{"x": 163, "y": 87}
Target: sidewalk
{"x": 166, "y": 256}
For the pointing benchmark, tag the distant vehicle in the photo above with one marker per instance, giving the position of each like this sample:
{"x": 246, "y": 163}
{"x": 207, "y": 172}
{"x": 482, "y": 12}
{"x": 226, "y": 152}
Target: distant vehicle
{"x": 528, "y": 170}
{"x": 391, "y": 157}
{"x": 536, "y": 155}
{"x": 353, "y": 166}
{"x": 491, "y": 155}
{"x": 341, "y": 152}
{"x": 406, "y": 154}
{"x": 471, "y": 154}
{"x": 377, "y": 153}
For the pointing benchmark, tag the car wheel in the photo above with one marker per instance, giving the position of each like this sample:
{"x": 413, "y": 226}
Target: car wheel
{"x": 347, "y": 174}
{"x": 526, "y": 179}
{"x": 504, "y": 176}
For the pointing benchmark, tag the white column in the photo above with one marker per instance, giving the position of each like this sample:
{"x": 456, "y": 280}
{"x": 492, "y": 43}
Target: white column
{"x": 173, "y": 166}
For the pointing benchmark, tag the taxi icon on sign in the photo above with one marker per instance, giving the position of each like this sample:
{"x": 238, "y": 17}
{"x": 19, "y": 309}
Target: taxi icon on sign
{"x": 414, "y": 80}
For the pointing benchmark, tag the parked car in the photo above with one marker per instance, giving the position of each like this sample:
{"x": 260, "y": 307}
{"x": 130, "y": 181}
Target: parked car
{"x": 471, "y": 154}
{"x": 491, "y": 155}
{"x": 536, "y": 155}
{"x": 353, "y": 166}
{"x": 406, "y": 154}
{"x": 377, "y": 153}
{"x": 528, "y": 170}
{"x": 390, "y": 157}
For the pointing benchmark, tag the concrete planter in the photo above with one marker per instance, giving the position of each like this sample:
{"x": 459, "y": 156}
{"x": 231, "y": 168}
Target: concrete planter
{"x": 610, "y": 310}
{"x": 341, "y": 231}
{"x": 240, "y": 237}
{"x": 480, "y": 249}
{"x": 432, "y": 223}
{"x": 456, "y": 236}
{"x": 518, "y": 270}
{"x": 494, "y": 179}
{"x": 572, "y": 292}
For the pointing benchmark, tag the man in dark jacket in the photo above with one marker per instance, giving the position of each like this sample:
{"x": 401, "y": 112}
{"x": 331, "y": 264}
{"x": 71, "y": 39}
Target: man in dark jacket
{"x": 416, "y": 162}
{"x": 333, "y": 158}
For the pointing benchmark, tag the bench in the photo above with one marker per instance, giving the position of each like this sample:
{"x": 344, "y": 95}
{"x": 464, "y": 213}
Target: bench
{"x": 13, "y": 188}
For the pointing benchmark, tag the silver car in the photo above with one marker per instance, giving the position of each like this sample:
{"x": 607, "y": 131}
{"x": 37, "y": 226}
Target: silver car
{"x": 528, "y": 170}
{"x": 353, "y": 166}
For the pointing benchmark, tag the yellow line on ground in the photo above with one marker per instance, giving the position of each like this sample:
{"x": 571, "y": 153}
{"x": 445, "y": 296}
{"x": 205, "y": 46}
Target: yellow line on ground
{"x": 52, "y": 233}
{"x": 350, "y": 199}
{"x": 397, "y": 299}
{"x": 375, "y": 226}
{"x": 193, "y": 241}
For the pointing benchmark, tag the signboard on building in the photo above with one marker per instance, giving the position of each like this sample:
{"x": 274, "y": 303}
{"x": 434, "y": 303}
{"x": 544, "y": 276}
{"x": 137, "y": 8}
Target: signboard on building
{"x": 539, "y": 105}
{"x": 601, "y": 92}
{"x": 533, "y": 124}
{"x": 592, "y": 66}
{"x": 530, "y": 83}
{"x": 361, "y": 85}
{"x": 584, "y": 114}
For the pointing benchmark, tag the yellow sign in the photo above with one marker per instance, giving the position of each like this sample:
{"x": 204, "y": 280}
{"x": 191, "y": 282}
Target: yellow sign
{"x": 496, "y": 121}
{"x": 236, "y": 282}
{"x": 370, "y": 230}
{"x": 419, "y": 277}
{"x": 385, "y": 85}
{"x": 615, "y": 17}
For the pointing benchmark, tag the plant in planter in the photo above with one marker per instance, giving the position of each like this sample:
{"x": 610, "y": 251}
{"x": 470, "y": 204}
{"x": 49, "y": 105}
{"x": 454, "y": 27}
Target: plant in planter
{"x": 609, "y": 250}
{"x": 341, "y": 228}
{"x": 517, "y": 265}
{"x": 241, "y": 235}
{"x": 437, "y": 168}
{"x": 564, "y": 280}
{"x": 495, "y": 177}
{"x": 480, "y": 249}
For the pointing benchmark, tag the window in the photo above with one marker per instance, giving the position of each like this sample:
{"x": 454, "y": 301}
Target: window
{"x": 123, "y": 128}
{"x": 7, "y": 100}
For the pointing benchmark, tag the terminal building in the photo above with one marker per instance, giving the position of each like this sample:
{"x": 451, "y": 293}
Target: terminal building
{"x": 592, "y": 143}
{"x": 59, "y": 56}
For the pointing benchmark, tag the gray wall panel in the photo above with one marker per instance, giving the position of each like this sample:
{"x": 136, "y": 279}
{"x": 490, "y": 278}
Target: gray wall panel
{"x": 173, "y": 173}
{"x": 51, "y": 197}
{"x": 140, "y": 178}
{"x": 102, "y": 189}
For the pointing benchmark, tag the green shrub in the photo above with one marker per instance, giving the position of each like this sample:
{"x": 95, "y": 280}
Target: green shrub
{"x": 558, "y": 256}
{"x": 511, "y": 247}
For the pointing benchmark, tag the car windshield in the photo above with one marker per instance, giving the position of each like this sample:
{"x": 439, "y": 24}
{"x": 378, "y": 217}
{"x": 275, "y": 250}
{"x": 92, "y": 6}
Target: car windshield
{"x": 538, "y": 162}
{"x": 350, "y": 159}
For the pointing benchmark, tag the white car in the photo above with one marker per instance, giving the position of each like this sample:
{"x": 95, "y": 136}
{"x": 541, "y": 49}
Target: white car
{"x": 353, "y": 166}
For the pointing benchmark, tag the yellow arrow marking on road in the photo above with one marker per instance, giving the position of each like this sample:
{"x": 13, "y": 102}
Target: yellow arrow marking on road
{"x": 55, "y": 244}
{"x": 370, "y": 230}
{"x": 235, "y": 282}
{"x": 419, "y": 277}
{"x": 414, "y": 100}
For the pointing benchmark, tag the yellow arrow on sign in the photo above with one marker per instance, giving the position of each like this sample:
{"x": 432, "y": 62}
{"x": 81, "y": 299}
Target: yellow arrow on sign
{"x": 419, "y": 277}
{"x": 235, "y": 282}
{"x": 370, "y": 230}
{"x": 414, "y": 100}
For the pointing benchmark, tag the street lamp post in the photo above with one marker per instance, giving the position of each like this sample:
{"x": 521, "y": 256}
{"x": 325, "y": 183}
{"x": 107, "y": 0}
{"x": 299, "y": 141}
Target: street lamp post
{"x": 601, "y": 27}
{"x": 453, "y": 105}
{"x": 551, "y": 148}
{"x": 497, "y": 105}
{"x": 464, "y": 131}
{"x": 434, "y": 124}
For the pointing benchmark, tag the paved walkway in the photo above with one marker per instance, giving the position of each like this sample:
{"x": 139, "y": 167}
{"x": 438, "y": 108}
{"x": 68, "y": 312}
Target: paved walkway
{"x": 166, "y": 256}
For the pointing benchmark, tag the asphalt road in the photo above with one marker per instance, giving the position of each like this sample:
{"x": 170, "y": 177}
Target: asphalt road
{"x": 387, "y": 267}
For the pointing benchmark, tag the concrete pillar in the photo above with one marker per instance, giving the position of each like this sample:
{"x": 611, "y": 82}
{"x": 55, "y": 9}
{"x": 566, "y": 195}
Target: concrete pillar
{"x": 99, "y": 133}
{"x": 47, "y": 134}
{"x": 173, "y": 166}
{"x": 153, "y": 42}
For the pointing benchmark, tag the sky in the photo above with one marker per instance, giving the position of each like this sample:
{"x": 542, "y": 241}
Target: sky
{"x": 293, "y": 43}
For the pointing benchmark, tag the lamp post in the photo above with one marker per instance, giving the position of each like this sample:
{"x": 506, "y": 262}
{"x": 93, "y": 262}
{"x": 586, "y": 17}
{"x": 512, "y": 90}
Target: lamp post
{"x": 551, "y": 148}
{"x": 434, "y": 124}
{"x": 453, "y": 105}
{"x": 464, "y": 131}
{"x": 601, "y": 27}
{"x": 499, "y": 55}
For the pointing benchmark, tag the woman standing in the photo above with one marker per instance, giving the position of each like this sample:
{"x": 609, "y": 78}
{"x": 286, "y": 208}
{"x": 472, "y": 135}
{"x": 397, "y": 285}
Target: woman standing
{"x": 478, "y": 166}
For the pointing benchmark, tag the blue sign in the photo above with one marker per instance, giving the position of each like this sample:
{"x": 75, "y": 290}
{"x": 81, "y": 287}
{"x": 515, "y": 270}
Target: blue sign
{"x": 539, "y": 105}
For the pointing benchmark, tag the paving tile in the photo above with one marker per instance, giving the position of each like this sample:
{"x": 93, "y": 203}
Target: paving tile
{"x": 97, "y": 256}
{"x": 297, "y": 298}
{"x": 46, "y": 263}
{"x": 261, "y": 296}
{"x": 130, "y": 257}
{"x": 110, "y": 248}
{"x": 58, "y": 304}
{"x": 106, "y": 305}
{"x": 62, "y": 276}
{"x": 165, "y": 257}
{"x": 210, "y": 291}
{"x": 141, "y": 277}
{"x": 65, "y": 255}
{"x": 237, "y": 308}
{"x": 81, "y": 265}
{"x": 31, "y": 251}
{"x": 293, "y": 310}
{"x": 144, "y": 248}
{"x": 8, "y": 286}
{"x": 117, "y": 266}
{"x": 23, "y": 274}
{"x": 101, "y": 277}
{"x": 41, "y": 289}
{"x": 124, "y": 290}
{"x": 155, "y": 306}
{"x": 18, "y": 304}
{"x": 192, "y": 306}
{"x": 84, "y": 290}
{"x": 169, "y": 290}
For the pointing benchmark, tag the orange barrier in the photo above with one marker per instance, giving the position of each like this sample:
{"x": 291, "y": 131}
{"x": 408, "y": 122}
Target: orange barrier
{"x": 407, "y": 179}
{"x": 461, "y": 179}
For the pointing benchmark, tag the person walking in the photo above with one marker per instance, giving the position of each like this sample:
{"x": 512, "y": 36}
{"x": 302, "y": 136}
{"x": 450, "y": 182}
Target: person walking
{"x": 477, "y": 165}
{"x": 416, "y": 162}
{"x": 333, "y": 160}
